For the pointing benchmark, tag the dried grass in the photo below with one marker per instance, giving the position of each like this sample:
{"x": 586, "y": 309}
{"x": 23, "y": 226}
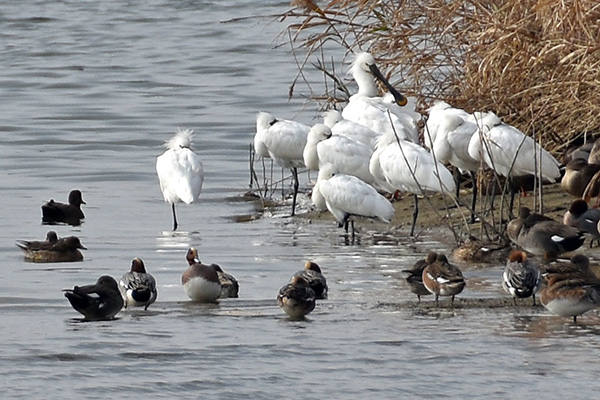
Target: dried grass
{"x": 534, "y": 63}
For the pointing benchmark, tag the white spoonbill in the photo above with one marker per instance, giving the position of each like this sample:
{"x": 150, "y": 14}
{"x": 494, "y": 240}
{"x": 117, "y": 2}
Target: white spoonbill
{"x": 381, "y": 114}
{"x": 347, "y": 196}
{"x": 180, "y": 171}
{"x": 284, "y": 140}
{"x": 343, "y": 127}
{"x": 401, "y": 165}
{"x": 448, "y": 134}
{"x": 510, "y": 152}
{"x": 346, "y": 155}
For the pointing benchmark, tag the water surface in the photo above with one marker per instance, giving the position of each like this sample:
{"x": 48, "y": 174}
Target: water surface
{"x": 90, "y": 91}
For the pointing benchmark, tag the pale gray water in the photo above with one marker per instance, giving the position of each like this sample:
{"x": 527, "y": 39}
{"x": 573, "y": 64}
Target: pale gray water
{"x": 90, "y": 90}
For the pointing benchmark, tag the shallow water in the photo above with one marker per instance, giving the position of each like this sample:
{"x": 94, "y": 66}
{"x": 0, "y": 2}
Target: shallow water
{"x": 90, "y": 92}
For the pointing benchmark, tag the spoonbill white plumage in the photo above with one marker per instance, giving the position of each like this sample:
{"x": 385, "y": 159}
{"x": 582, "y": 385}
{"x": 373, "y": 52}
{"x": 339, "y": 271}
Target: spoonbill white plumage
{"x": 284, "y": 140}
{"x": 401, "y": 165}
{"x": 509, "y": 151}
{"x": 343, "y": 127}
{"x": 381, "y": 114}
{"x": 346, "y": 196}
{"x": 180, "y": 171}
{"x": 344, "y": 154}
{"x": 448, "y": 134}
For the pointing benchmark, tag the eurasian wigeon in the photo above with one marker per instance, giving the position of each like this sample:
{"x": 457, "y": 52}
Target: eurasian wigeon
{"x": 571, "y": 291}
{"x": 415, "y": 276}
{"x": 200, "y": 281}
{"x": 229, "y": 285}
{"x": 138, "y": 287}
{"x": 443, "y": 279}
{"x": 296, "y": 298}
{"x": 521, "y": 278}
{"x": 316, "y": 280}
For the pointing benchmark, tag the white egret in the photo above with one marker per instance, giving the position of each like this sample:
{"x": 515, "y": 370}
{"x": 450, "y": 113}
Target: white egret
{"x": 284, "y": 140}
{"x": 381, "y": 114}
{"x": 180, "y": 171}
{"x": 344, "y": 154}
{"x": 347, "y": 196}
{"x": 401, "y": 165}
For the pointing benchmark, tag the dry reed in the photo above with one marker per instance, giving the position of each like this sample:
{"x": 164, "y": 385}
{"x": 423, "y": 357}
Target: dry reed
{"x": 536, "y": 63}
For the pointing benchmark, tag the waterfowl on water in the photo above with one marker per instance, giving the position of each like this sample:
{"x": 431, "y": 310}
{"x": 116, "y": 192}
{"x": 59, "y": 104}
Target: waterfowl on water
{"x": 415, "y": 276}
{"x": 52, "y": 249}
{"x": 180, "y": 171}
{"x": 56, "y": 212}
{"x": 571, "y": 291}
{"x": 443, "y": 279}
{"x": 200, "y": 281}
{"x": 521, "y": 278}
{"x": 100, "y": 301}
{"x": 316, "y": 280}
{"x": 229, "y": 285}
{"x": 543, "y": 236}
{"x": 138, "y": 287}
{"x": 35, "y": 245}
{"x": 296, "y": 298}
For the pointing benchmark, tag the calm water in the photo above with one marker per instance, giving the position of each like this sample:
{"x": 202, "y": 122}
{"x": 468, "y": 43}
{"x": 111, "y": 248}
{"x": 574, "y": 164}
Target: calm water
{"x": 90, "y": 90}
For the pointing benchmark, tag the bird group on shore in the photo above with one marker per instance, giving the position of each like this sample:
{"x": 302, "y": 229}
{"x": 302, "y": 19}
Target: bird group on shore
{"x": 375, "y": 140}
{"x": 369, "y": 150}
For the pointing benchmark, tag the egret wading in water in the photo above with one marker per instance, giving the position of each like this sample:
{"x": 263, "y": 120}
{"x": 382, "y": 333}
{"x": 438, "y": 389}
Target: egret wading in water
{"x": 284, "y": 141}
{"x": 180, "y": 171}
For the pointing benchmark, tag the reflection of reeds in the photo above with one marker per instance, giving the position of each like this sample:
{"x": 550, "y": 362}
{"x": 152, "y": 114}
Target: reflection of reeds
{"x": 535, "y": 63}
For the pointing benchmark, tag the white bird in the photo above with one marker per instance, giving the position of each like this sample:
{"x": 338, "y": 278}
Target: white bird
{"x": 346, "y": 196}
{"x": 381, "y": 114}
{"x": 284, "y": 140}
{"x": 448, "y": 134}
{"x": 401, "y": 165}
{"x": 344, "y": 154}
{"x": 180, "y": 171}
{"x": 509, "y": 151}
{"x": 343, "y": 127}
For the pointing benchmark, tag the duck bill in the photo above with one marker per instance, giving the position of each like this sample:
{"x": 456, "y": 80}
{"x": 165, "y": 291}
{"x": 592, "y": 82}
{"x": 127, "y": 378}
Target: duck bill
{"x": 398, "y": 97}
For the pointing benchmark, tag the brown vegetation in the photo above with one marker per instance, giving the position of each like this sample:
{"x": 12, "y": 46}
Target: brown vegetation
{"x": 536, "y": 63}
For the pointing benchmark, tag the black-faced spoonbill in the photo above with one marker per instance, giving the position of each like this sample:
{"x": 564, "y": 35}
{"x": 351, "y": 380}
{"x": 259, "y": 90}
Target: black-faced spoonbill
{"x": 284, "y": 141}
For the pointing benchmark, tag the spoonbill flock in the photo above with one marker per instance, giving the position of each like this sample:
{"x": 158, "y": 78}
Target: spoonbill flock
{"x": 373, "y": 146}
